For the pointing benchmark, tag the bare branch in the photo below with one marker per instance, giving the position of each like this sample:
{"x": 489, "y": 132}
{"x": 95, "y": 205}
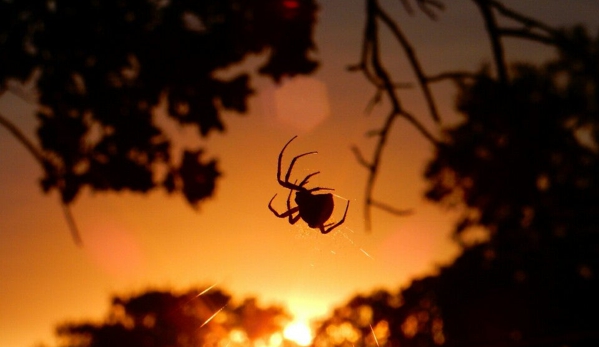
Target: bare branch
{"x": 407, "y": 7}
{"x": 495, "y": 38}
{"x": 361, "y": 158}
{"x": 381, "y": 73}
{"x": 366, "y": 51}
{"x": 427, "y": 135}
{"x": 376, "y": 73}
{"x": 72, "y": 225}
{"x": 527, "y": 34}
{"x": 373, "y": 79}
{"x": 425, "y": 7}
{"x": 551, "y": 36}
{"x": 526, "y": 21}
{"x": 371, "y": 58}
{"x": 374, "y": 132}
{"x": 28, "y": 144}
{"x": 41, "y": 159}
{"x": 376, "y": 98}
{"x": 456, "y": 76}
{"x": 390, "y": 209}
{"x": 411, "y": 55}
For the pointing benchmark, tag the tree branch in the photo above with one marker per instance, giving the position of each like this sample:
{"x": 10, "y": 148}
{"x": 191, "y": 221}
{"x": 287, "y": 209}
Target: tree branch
{"x": 375, "y": 72}
{"x": 40, "y": 158}
{"x": 528, "y": 35}
{"x": 360, "y": 158}
{"x": 380, "y": 78}
{"x": 66, "y": 209}
{"x": 526, "y": 21}
{"x": 424, "y": 7}
{"x": 411, "y": 55}
{"x": 390, "y": 209}
{"x": 494, "y": 36}
{"x": 456, "y": 76}
{"x": 28, "y": 144}
{"x": 423, "y": 131}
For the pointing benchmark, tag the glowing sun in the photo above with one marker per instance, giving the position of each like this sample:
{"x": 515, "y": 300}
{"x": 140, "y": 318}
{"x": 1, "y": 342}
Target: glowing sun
{"x": 298, "y": 332}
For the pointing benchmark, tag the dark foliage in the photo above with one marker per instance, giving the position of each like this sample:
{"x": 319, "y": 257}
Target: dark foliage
{"x": 526, "y": 156}
{"x": 523, "y": 165}
{"x": 162, "y": 318}
{"x": 104, "y": 67}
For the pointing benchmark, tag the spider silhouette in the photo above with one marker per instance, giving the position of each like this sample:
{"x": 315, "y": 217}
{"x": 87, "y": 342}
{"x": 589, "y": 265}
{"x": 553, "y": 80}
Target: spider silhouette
{"x": 314, "y": 209}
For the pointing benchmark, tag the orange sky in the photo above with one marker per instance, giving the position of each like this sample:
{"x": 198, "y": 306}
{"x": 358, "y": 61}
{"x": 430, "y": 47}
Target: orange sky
{"x": 135, "y": 242}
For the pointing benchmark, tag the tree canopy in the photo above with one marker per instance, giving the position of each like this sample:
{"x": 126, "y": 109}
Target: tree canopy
{"x": 523, "y": 167}
{"x": 166, "y": 318}
{"x": 102, "y": 68}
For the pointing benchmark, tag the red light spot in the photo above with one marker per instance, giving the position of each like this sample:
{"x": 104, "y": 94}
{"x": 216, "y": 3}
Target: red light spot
{"x": 291, "y": 4}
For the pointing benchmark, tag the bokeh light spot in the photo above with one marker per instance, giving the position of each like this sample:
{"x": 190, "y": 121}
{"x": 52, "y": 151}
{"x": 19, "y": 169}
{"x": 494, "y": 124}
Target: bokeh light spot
{"x": 114, "y": 250}
{"x": 301, "y": 102}
{"x": 291, "y": 4}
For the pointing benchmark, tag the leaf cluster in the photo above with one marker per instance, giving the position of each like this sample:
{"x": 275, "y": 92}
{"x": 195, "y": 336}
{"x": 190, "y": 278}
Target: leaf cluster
{"x": 526, "y": 156}
{"x": 103, "y": 68}
{"x": 166, "y": 318}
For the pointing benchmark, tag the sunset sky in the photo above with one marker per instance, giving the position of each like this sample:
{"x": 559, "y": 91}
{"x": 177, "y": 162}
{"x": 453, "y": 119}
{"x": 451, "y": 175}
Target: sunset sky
{"x": 133, "y": 242}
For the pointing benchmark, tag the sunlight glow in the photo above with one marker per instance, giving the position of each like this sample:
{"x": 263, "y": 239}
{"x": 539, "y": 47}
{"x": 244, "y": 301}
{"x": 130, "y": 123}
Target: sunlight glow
{"x": 298, "y": 332}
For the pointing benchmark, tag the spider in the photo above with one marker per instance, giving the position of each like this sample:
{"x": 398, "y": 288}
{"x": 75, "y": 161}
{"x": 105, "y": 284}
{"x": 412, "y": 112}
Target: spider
{"x": 314, "y": 209}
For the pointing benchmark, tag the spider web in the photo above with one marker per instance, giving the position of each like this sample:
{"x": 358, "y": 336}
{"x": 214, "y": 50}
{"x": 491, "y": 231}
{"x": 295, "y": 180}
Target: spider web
{"x": 338, "y": 243}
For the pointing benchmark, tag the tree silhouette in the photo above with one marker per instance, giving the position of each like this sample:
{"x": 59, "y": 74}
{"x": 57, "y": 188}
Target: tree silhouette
{"x": 379, "y": 20}
{"x": 102, "y": 68}
{"x": 536, "y": 134}
{"x": 192, "y": 318}
{"x": 523, "y": 166}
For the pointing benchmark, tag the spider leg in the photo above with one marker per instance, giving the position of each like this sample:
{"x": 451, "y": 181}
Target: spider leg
{"x": 293, "y": 163}
{"x": 305, "y": 180}
{"x": 319, "y": 188}
{"x": 286, "y": 182}
{"x": 285, "y": 214}
{"x": 328, "y": 230}
{"x": 292, "y": 219}
{"x": 281, "y": 182}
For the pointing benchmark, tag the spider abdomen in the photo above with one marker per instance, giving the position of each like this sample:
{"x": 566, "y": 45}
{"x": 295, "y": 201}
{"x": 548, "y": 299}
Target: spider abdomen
{"x": 314, "y": 209}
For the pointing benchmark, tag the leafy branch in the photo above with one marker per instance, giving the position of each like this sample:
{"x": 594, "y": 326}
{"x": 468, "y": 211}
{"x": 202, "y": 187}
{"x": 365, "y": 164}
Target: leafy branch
{"x": 97, "y": 103}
